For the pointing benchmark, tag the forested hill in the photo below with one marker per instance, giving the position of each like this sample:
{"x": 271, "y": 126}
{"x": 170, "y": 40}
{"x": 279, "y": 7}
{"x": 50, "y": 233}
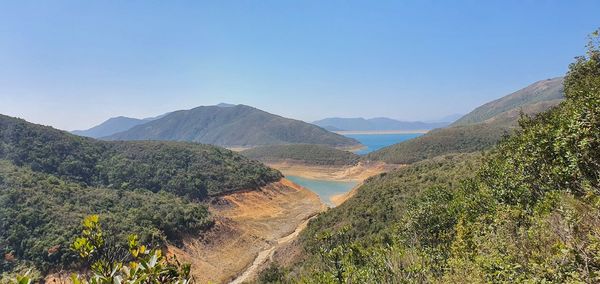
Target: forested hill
{"x": 233, "y": 126}
{"x": 183, "y": 168}
{"x": 526, "y": 212}
{"x": 302, "y": 153}
{"x": 458, "y": 139}
{"x": 479, "y": 130}
{"x": 50, "y": 180}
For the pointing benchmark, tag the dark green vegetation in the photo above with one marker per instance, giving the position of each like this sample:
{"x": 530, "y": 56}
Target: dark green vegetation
{"x": 183, "y": 168}
{"x": 379, "y": 123}
{"x": 302, "y": 153}
{"x": 380, "y": 202}
{"x": 40, "y": 216}
{"x": 50, "y": 179}
{"x": 530, "y": 213}
{"x": 107, "y": 260}
{"x": 233, "y": 126}
{"x": 111, "y": 126}
{"x": 479, "y": 130}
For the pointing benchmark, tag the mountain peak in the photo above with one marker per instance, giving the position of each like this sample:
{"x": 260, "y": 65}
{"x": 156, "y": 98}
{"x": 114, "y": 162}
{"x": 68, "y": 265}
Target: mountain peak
{"x": 233, "y": 126}
{"x": 225, "y": 105}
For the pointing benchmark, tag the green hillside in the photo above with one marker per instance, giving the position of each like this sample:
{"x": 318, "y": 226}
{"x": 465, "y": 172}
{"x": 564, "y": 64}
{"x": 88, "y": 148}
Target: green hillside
{"x": 528, "y": 212}
{"x": 381, "y": 201}
{"x": 532, "y": 99}
{"x": 50, "y": 179}
{"x": 302, "y": 153}
{"x": 233, "y": 126}
{"x": 479, "y": 130}
{"x": 460, "y": 139}
{"x": 183, "y": 168}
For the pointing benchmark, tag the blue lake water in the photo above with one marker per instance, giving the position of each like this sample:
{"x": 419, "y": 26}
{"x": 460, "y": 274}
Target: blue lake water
{"x": 375, "y": 142}
{"x": 325, "y": 189}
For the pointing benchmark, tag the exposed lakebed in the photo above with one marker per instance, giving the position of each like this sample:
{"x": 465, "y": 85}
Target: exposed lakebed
{"x": 325, "y": 189}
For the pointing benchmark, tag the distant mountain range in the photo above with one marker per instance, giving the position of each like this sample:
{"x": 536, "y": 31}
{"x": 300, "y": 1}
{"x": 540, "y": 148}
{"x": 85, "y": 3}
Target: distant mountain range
{"x": 448, "y": 118}
{"x": 231, "y": 126}
{"x": 375, "y": 124}
{"x": 478, "y": 130}
{"x": 113, "y": 125}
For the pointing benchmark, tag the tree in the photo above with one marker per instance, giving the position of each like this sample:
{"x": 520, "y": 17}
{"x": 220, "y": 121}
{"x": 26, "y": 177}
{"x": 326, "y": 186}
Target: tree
{"x": 144, "y": 265}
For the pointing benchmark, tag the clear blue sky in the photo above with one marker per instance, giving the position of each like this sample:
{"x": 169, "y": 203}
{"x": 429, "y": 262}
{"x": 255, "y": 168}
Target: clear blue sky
{"x": 72, "y": 64}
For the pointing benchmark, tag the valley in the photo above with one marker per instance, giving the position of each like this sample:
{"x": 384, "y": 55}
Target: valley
{"x": 253, "y": 226}
{"x": 361, "y": 142}
{"x": 261, "y": 205}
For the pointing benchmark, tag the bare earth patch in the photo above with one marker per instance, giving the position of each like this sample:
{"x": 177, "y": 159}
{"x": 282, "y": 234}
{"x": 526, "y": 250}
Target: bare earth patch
{"x": 247, "y": 224}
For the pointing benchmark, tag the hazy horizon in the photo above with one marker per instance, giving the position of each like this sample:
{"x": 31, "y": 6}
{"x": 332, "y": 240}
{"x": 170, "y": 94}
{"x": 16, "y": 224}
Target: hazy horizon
{"x": 437, "y": 119}
{"x": 72, "y": 65}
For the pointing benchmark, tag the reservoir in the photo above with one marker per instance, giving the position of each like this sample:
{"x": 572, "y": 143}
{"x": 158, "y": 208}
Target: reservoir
{"x": 374, "y": 142}
{"x": 324, "y": 188}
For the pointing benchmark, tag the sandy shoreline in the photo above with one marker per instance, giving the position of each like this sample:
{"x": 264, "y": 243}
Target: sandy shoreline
{"x": 376, "y": 132}
{"x": 338, "y": 199}
{"x": 346, "y": 148}
{"x": 358, "y": 172}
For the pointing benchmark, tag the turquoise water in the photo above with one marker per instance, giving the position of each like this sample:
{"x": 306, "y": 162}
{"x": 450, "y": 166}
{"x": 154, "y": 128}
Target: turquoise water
{"x": 377, "y": 141}
{"x": 325, "y": 189}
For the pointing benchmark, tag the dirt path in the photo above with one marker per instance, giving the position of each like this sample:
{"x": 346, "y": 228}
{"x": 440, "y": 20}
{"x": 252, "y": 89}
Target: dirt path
{"x": 267, "y": 254}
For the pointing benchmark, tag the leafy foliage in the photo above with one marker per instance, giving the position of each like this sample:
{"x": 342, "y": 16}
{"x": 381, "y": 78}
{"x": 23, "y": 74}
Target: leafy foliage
{"x": 144, "y": 265}
{"x": 39, "y": 216}
{"x": 302, "y": 153}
